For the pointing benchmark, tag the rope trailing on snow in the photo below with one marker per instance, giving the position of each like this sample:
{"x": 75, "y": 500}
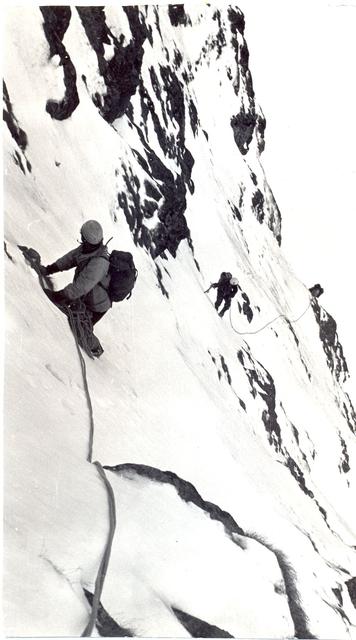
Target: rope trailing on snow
{"x": 79, "y": 335}
{"x": 100, "y": 579}
{"x": 74, "y": 326}
{"x": 250, "y": 333}
{"x": 77, "y": 318}
{"x": 78, "y": 321}
{"x": 281, "y": 315}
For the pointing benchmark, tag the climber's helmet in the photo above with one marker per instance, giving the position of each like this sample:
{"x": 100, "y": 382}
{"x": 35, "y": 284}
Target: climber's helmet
{"x": 92, "y": 232}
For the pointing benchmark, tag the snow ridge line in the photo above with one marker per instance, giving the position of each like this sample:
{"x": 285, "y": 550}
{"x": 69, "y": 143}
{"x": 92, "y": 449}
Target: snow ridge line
{"x": 281, "y": 315}
{"x": 187, "y": 492}
{"x": 199, "y": 628}
{"x": 298, "y": 614}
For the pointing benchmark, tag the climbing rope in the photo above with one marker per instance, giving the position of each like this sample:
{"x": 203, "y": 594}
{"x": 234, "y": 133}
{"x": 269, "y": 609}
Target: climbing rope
{"x": 281, "y": 315}
{"x": 79, "y": 335}
{"x": 100, "y": 579}
{"x": 74, "y": 325}
{"x": 81, "y": 326}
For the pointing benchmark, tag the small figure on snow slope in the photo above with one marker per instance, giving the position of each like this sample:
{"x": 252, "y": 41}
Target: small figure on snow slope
{"x": 227, "y": 287}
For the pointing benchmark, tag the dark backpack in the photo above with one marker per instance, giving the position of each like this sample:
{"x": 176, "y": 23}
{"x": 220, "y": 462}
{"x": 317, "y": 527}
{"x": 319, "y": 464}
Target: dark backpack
{"x": 123, "y": 274}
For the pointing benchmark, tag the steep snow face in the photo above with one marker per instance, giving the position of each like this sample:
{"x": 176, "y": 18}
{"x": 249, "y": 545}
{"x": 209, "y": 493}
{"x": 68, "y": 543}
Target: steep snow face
{"x": 229, "y": 442}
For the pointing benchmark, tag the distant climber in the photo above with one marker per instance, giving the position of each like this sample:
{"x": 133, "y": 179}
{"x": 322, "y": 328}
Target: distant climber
{"x": 316, "y": 290}
{"x": 227, "y": 287}
{"x": 91, "y": 279}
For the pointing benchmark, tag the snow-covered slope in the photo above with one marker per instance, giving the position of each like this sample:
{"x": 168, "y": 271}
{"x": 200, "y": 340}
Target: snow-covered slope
{"x": 230, "y": 450}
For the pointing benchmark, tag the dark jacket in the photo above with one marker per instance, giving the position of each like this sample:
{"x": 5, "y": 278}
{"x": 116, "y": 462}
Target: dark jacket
{"x": 224, "y": 286}
{"x": 229, "y": 290}
{"x": 91, "y": 269}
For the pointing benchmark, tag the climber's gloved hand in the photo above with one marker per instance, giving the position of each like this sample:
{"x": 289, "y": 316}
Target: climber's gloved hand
{"x": 47, "y": 271}
{"x": 58, "y": 297}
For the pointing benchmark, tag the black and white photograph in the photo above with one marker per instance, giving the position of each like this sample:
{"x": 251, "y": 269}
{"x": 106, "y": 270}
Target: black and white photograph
{"x": 179, "y": 353}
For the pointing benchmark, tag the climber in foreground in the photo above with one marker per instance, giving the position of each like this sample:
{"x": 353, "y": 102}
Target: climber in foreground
{"x": 99, "y": 280}
{"x": 91, "y": 280}
{"x": 227, "y": 287}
